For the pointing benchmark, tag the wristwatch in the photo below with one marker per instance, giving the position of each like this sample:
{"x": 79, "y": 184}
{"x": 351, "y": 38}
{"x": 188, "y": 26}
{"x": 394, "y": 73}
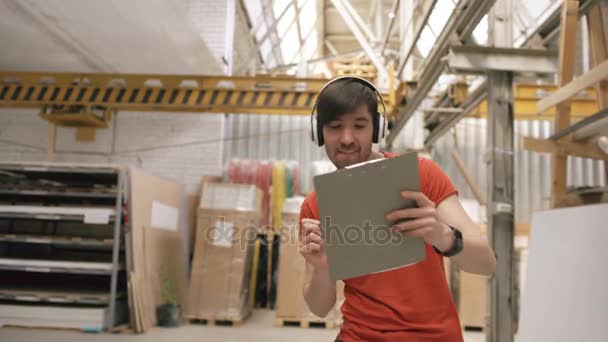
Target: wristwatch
{"x": 456, "y": 246}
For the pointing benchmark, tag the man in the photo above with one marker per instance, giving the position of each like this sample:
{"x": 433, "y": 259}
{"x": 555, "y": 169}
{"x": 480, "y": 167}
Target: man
{"x": 405, "y": 304}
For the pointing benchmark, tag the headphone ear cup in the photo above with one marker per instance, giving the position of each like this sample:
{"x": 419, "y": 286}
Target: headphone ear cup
{"x": 320, "y": 139}
{"x": 381, "y": 126}
{"x": 313, "y": 129}
{"x": 378, "y": 128}
{"x": 316, "y": 131}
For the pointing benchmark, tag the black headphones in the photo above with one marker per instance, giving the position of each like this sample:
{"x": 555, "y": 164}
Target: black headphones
{"x": 379, "y": 126}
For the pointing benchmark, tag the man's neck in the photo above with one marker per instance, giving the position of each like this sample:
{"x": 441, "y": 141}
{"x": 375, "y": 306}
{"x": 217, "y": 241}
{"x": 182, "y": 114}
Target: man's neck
{"x": 375, "y": 155}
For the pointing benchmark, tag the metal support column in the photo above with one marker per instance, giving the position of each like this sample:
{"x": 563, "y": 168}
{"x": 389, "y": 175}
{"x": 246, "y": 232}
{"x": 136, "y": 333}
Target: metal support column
{"x": 503, "y": 301}
{"x": 502, "y": 313}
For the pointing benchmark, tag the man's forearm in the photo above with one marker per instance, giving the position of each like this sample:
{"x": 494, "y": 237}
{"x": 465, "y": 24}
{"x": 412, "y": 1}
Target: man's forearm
{"x": 319, "y": 291}
{"x": 476, "y": 257}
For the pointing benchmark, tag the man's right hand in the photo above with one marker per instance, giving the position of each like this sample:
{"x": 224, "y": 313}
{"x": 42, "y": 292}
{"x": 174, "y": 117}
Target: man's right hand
{"x": 312, "y": 246}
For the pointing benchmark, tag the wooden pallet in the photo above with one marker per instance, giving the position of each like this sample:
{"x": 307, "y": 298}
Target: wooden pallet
{"x": 124, "y": 329}
{"x": 233, "y": 321}
{"x": 306, "y": 323}
{"x": 219, "y": 322}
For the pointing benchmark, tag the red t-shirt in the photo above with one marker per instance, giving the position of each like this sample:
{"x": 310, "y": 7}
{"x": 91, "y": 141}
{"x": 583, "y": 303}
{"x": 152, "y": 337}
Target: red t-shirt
{"x": 405, "y": 304}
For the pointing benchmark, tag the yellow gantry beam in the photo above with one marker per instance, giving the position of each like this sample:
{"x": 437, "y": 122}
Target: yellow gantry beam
{"x": 171, "y": 93}
{"x": 218, "y": 94}
{"x": 527, "y": 96}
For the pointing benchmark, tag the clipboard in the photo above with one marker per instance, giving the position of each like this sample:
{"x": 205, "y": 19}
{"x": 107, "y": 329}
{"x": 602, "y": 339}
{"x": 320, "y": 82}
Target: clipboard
{"x": 353, "y": 203}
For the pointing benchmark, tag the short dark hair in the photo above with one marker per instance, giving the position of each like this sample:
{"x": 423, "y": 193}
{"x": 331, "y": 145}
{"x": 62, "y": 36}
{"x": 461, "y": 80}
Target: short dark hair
{"x": 345, "y": 96}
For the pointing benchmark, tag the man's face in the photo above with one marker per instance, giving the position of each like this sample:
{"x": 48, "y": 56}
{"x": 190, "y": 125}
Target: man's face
{"x": 348, "y": 139}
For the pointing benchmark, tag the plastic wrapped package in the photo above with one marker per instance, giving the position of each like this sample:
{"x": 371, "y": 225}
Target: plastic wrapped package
{"x": 221, "y": 267}
{"x": 230, "y": 196}
{"x": 292, "y": 205}
{"x": 253, "y": 172}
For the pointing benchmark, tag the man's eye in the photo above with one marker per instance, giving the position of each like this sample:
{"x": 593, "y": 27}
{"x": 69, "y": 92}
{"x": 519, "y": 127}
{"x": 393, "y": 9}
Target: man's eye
{"x": 359, "y": 126}
{"x": 334, "y": 126}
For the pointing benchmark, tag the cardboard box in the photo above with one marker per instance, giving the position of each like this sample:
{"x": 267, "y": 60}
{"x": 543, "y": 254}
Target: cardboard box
{"x": 290, "y": 299}
{"x": 227, "y": 225}
{"x": 472, "y": 296}
{"x": 473, "y": 299}
{"x": 193, "y": 204}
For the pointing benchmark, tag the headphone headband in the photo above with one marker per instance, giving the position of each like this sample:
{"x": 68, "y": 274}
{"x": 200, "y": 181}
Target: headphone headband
{"x": 356, "y": 78}
{"x": 381, "y": 126}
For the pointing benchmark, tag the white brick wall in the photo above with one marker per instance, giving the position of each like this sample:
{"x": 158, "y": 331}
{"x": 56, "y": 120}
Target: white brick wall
{"x": 245, "y": 53}
{"x": 209, "y": 19}
{"x": 178, "y": 146}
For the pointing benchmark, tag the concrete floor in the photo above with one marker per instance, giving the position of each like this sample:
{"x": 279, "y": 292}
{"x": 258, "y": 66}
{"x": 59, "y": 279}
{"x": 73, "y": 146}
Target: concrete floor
{"x": 258, "y": 328}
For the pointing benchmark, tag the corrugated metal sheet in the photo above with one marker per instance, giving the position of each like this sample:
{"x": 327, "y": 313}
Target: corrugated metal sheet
{"x": 288, "y": 138}
{"x": 532, "y": 170}
{"x": 274, "y": 137}
{"x": 411, "y": 135}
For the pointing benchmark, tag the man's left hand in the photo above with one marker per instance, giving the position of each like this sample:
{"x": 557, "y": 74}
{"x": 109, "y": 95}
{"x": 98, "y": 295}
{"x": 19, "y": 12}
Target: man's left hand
{"x": 423, "y": 222}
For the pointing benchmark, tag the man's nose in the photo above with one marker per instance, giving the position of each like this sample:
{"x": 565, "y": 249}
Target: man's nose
{"x": 347, "y": 137}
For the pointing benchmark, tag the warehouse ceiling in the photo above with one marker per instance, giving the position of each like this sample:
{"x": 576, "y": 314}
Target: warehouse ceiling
{"x": 293, "y": 33}
{"x": 374, "y": 13}
{"x": 152, "y": 36}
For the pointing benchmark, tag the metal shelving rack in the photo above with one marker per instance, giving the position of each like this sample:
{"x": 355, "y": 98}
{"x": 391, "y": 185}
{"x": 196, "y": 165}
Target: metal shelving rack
{"x": 62, "y": 238}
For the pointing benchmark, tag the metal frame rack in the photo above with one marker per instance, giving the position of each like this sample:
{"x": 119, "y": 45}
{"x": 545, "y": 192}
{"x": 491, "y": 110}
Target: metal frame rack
{"x": 62, "y": 243}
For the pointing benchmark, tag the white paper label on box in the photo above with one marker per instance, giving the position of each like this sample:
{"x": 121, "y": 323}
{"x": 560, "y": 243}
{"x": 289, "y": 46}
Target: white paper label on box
{"x": 245, "y": 199}
{"x": 164, "y": 217}
{"x": 96, "y": 217}
{"x": 223, "y": 234}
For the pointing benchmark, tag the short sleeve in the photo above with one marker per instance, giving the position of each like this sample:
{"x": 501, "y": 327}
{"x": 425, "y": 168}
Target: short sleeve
{"x": 434, "y": 183}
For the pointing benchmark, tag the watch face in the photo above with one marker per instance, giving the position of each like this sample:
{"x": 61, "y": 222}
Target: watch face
{"x": 457, "y": 246}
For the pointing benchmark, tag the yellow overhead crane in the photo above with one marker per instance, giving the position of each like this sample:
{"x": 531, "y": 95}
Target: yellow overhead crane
{"x": 172, "y": 93}
{"x": 89, "y": 99}
{"x": 526, "y": 97}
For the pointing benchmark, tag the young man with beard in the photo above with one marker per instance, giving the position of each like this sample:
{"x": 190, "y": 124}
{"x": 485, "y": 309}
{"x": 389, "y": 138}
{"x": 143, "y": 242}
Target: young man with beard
{"x": 405, "y": 304}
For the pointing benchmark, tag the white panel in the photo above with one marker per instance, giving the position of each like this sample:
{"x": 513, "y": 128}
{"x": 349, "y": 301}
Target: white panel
{"x": 565, "y": 296}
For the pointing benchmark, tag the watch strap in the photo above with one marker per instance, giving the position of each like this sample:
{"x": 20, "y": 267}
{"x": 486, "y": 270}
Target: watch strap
{"x": 457, "y": 246}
